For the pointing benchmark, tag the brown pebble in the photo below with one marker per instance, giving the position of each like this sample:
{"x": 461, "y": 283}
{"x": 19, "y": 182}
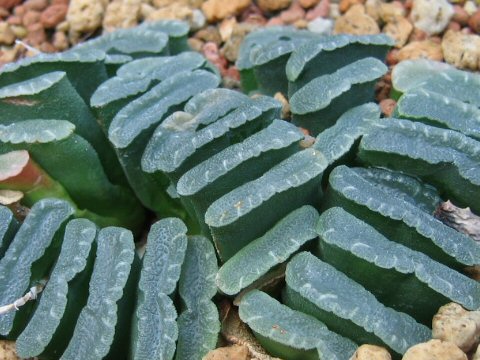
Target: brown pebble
{"x": 474, "y": 22}
{"x": 36, "y": 34}
{"x": 233, "y": 73}
{"x": 307, "y": 4}
{"x": 392, "y": 57}
{"x": 60, "y": 40}
{"x": 344, "y": 5}
{"x": 57, "y": 2}
{"x": 4, "y": 13}
{"x": 19, "y": 10}
{"x": 37, "y": 5}
{"x": 275, "y": 21}
{"x": 195, "y": 44}
{"x": 356, "y": 22}
{"x": 426, "y": 49}
{"x": 435, "y": 349}
{"x": 53, "y": 15}
{"x": 210, "y": 33}
{"x": 14, "y": 20}
{"x": 387, "y": 106}
{"x": 293, "y": 13}
{"x": 460, "y": 15}
{"x": 321, "y": 10}
{"x": 417, "y": 35}
{"x": 47, "y": 47}
{"x": 31, "y": 17}
{"x": 273, "y": 5}
{"x": 453, "y": 25}
{"x": 8, "y": 4}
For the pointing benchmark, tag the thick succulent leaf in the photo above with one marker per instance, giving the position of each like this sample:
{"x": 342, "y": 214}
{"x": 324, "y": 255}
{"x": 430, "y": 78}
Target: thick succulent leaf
{"x": 318, "y": 104}
{"x": 136, "y": 42}
{"x": 175, "y": 151}
{"x": 151, "y": 107}
{"x": 198, "y": 325}
{"x": 399, "y": 212}
{"x": 44, "y": 326}
{"x": 197, "y": 280}
{"x": 52, "y": 96}
{"x": 95, "y": 328}
{"x": 338, "y": 141}
{"x": 43, "y": 222}
{"x": 278, "y": 326}
{"x": 8, "y": 228}
{"x": 177, "y": 32}
{"x": 269, "y": 61}
{"x": 438, "y": 110}
{"x": 197, "y": 331}
{"x": 154, "y": 327}
{"x": 445, "y": 158}
{"x": 210, "y": 105}
{"x": 116, "y": 203}
{"x": 403, "y": 279}
{"x": 238, "y": 164}
{"x": 326, "y": 55}
{"x": 137, "y": 76}
{"x": 347, "y": 308}
{"x": 254, "y": 41}
{"x": 268, "y": 251}
{"x": 241, "y": 215}
{"x": 86, "y": 71}
{"x": 36, "y": 131}
{"x": 438, "y": 77}
{"x": 13, "y": 163}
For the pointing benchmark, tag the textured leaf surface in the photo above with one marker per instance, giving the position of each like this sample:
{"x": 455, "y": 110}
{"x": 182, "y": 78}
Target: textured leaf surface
{"x": 438, "y": 77}
{"x": 168, "y": 149}
{"x": 8, "y": 228}
{"x": 86, "y": 71}
{"x": 42, "y": 223}
{"x": 273, "y": 248}
{"x": 338, "y": 140}
{"x": 401, "y": 211}
{"x": 12, "y": 163}
{"x": 438, "y": 110}
{"x": 31, "y": 86}
{"x": 95, "y": 327}
{"x": 279, "y": 134}
{"x": 403, "y": 279}
{"x": 347, "y": 308}
{"x": 149, "y": 109}
{"x": 137, "y": 76}
{"x": 155, "y": 329}
{"x": 36, "y": 131}
{"x": 444, "y": 158}
{"x": 77, "y": 242}
{"x": 198, "y": 325}
{"x": 241, "y": 215}
{"x": 320, "y": 92}
{"x": 326, "y": 55}
{"x": 278, "y": 323}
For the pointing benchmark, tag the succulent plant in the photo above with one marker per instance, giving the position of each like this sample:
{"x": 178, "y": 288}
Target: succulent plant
{"x": 346, "y": 218}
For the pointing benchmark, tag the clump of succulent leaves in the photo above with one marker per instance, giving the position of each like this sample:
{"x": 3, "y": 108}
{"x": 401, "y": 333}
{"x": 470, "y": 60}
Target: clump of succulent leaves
{"x": 132, "y": 126}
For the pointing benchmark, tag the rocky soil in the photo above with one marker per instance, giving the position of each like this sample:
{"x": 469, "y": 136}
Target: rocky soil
{"x": 436, "y": 29}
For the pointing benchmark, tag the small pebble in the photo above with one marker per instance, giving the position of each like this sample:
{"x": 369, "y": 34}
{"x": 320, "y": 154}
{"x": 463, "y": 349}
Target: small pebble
{"x": 462, "y": 50}
{"x": 8, "y": 4}
{"x": 37, "y": 5}
{"x": 31, "y": 17}
{"x": 273, "y": 5}
{"x": 470, "y": 7}
{"x": 7, "y": 36}
{"x": 53, "y": 15}
{"x": 322, "y": 9}
{"x": 293, "y": 13}
{"x": 321, "y": 26}
{"x": 399, "y": 29}
{"x": 371, "y": 352}
{"x": 216, "y": 10}
{"x": 35, "y": 34}
{"x": 356, "y": 22}
{"x": 460, "y": 15}
{"x": 435, "y": 349}
{"x": 431, "y": 16}
{"x": 4, "y": 13}
{"x": 474, "y": 22}
{"x": 60, "y": 40}
{"x": 7, "y": 350}
{"x": 425, "y": 49}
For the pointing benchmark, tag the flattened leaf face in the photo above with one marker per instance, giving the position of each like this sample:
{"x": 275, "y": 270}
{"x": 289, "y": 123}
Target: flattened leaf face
{"x": 36, "y": 131}
{"x": 326, "y": 55}
{"x": 280, "y": 325}
{"x": 12, "y": 163}
{"x": 198, "y": 325}
{"x": 8, "y": 227}
{"x": 397, "y": 276}
{"x": 347, "y": 308}
{"x": 438, "y": 77}
{"x": 151, "y": 107}
{"x": 262, "y": 254}
{"x": 400, "y": 208}
{"x": 40, "y": 331}
{"x": 439, "y": 110}
{"x": 287, "y": 186}
{"x": 42, "y": 223}
{"x": 154, "y": 328}
{"x": 95, "y": 328}
{"x": 444, "y": 158}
